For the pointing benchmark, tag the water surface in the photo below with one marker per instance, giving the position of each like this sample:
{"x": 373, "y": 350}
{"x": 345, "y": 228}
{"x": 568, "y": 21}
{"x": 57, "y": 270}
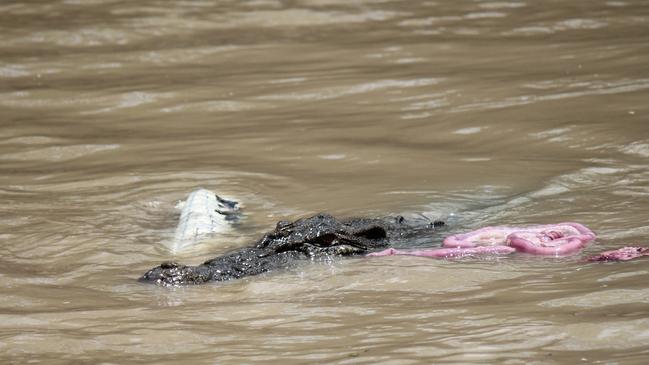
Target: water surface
{"x": 478, "y": 112}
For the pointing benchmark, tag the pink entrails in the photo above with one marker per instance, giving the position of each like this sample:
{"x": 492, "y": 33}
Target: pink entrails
{"x": 550, "y": 239}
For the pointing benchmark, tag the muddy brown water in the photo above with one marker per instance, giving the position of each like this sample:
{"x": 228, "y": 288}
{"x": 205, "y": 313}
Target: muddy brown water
{"x": 477, "y": 112}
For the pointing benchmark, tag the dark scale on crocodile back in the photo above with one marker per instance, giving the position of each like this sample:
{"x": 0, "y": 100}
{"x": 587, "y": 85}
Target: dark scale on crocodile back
{"x": 318, "y": 236}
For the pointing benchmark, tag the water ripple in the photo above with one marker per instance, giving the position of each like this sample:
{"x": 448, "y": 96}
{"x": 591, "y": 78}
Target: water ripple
{"x": 58, "y": 153}
{"x": 336, "y": 92}
{"x": 591, "y": 88}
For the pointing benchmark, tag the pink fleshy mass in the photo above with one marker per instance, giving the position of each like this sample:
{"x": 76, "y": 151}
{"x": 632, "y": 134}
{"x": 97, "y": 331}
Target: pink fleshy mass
{"x": 621, "y": 254}
{"x": 448, "y": 252}
{"x": 550, "y": 239}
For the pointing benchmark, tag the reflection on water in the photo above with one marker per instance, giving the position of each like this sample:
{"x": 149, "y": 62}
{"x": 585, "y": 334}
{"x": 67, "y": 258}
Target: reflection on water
{"x": 481, "y": 113}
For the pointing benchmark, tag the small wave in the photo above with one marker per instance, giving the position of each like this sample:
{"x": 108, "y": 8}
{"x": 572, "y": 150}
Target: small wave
{"x": 32, "y": 140}
{"x": 179, "y": 55}
{"x": 336, "y": 92}
{"x": 555, "y": 135}
{"x": 102, "y": 66}
{"x": 502, "y": 5}
{"x": 337, "y": 156}
{"x": 590, "y": 177}
{"x": 589, "y": 88}
{"x": 422, "y": 22}
{"x": 9, "y": 71}
{"x": 427, "y": 105}
{"x": 213, "y": 106}
{"x": 601, "y": 298}
{"x": 83, "y": 37}
{"x": 59, "y": 153}
{"x": 131, "y": 100}
{"x": 409, "y": 60}
{"x": 416, "y": 115}
{"x": 429, "y": 21}
{"x": 290, "y": 80}
{"x": 485, "y": 15}
{"x": 297, "y": 17}
{"x": 560, "y": 26}
{"x": 470, "y": 130}
{"x": 640, "y": 148}
{"x": 44, "y": 99}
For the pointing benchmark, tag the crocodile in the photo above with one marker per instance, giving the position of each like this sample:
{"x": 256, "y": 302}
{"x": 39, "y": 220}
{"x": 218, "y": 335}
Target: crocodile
{"x": 314, "y": 237}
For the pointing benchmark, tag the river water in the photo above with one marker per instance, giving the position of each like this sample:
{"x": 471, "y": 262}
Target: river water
{"x": 476, "y": 112}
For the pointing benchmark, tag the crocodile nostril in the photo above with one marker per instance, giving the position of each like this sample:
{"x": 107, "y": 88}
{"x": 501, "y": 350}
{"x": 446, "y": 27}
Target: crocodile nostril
{"x": 169, "y": 265}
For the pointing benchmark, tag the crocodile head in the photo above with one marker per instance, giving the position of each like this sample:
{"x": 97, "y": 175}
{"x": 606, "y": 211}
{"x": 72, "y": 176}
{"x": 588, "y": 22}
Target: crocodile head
{"x": 324, "y": 234}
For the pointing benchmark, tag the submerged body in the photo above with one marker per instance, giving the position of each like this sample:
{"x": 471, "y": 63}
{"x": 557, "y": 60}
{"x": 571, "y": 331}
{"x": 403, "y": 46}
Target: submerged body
{"x": 203, "y": 213}
{"x": 448, "y": 252}
{"x": 314, "y": 237}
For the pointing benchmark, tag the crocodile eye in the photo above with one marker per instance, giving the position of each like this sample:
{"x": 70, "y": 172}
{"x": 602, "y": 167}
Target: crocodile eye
{"x": 372, "y": 233}
{"x": 325, "y": 239}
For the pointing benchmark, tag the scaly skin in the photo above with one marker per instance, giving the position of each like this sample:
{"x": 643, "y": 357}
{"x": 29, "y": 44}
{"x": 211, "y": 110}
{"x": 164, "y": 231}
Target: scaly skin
{"x": 318, "y": 236}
